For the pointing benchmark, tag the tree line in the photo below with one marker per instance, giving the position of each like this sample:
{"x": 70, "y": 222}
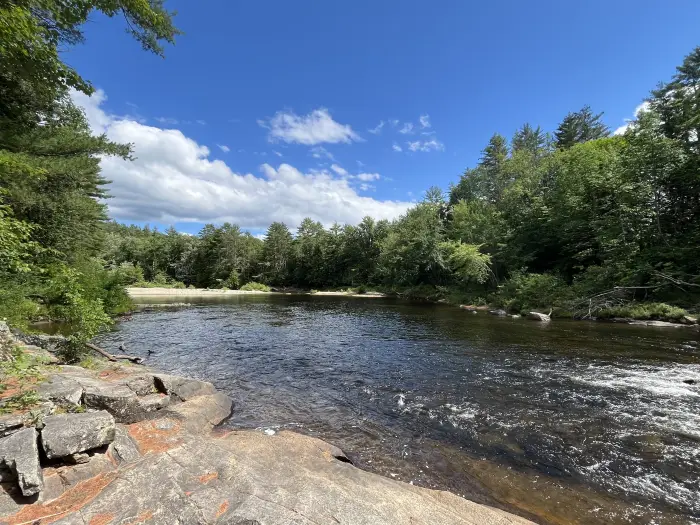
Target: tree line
{"x": 577, "y": 219}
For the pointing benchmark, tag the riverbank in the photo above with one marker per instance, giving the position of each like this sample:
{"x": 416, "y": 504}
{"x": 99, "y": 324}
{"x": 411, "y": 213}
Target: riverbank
{"x": 125, "y": 444}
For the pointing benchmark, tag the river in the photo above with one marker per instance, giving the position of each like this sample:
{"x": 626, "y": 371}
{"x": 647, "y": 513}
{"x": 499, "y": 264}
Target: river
{"x": 567, "y": 422}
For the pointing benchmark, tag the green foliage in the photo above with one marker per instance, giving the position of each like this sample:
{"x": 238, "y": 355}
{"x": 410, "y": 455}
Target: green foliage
{"x": 20, "y": 401}
{"x": 255, "y": 287}
{"x": 651, "y": 311}
{"x": 233, "y": 281}
{"x": 525, "y": 292}
{"x": 466, "y": 261}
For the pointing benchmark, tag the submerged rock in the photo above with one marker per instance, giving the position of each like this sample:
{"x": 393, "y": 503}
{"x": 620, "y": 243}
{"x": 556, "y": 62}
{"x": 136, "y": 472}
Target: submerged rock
{"x": 499, "y": 313}
{"x": 20, "y": 454}
{"x": 68, "y": 434}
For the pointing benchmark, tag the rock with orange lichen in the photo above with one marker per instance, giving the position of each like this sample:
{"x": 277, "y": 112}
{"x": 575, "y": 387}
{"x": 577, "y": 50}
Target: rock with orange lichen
{"x": 67, "y": 434}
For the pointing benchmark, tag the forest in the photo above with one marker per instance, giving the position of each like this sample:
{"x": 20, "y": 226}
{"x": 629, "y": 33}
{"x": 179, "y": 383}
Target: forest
{"x": 578, "y": 220}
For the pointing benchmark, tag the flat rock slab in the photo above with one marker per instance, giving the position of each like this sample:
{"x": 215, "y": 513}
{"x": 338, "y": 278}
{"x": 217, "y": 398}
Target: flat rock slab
{"x": 153, "y": 402}
{"x": 244, "y": 478}
{"x": 203, "y": 413}
{"x": 61, "y": 390}
{"x": 67, "y": 434}
{"x": 20, "y": 454}
{"x": 182, "y": 387}
{"x": 118, "y": 400}
{"x": 141, "y": 385}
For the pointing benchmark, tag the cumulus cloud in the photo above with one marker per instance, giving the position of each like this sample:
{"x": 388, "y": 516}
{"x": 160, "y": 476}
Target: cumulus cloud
{"x": 424, "y": 121}
{"x": 224, "y": 148}
{"x": 397, "y": 148}
{"x": 407, "y": 128}
{"x": 367, "y": 177}
{"x": 644, "y": 106}
{"x": 428, "y": 145}
{"x": 174, "y": 180}
{"x": 317, "y": 127}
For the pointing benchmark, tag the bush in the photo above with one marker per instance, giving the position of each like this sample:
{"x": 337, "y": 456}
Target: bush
{"x": 533, "y": 291}
{"x": 232, "y": 282}
{"x": 645, "y": 311}
{"x": 255, "y": 287}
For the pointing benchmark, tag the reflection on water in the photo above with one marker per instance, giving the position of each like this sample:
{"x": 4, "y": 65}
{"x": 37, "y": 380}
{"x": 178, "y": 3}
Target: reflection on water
{"x": 568, "y": 422}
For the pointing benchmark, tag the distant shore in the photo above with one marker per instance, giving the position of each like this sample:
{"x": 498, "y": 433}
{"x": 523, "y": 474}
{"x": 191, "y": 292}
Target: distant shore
{"x": 189, "y": 292}
{"x": 205, "y": 292}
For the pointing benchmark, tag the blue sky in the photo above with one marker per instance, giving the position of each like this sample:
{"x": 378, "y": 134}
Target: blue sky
{"x": 293, "y": 91}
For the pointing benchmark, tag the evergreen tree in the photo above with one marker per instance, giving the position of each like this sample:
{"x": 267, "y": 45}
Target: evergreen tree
{"x": 579, "y": 127}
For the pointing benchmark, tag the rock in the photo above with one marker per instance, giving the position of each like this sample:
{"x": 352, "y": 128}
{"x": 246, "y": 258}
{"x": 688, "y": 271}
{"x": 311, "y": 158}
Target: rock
{"x": 142, "y": 385}
{"x": 61, "y": 390}
{"x": 537, "y": 316}
{"x": 20, "y": 454}
{"x": 690, "y": 381}
{"x": 123, "y": 449}
{"x": 202, "y": 413}
{"x": 10, "y": 424}
{"x": 659, "y": 324}
{"x": 47, "y": 342}
{"x": 118, "y": 400}
{"x": 515, "y": 316}
{"x": 67, "y": 434}
{"x": 78, "y": 459}
{"x": 689, "y": 320}
{"x": 468, "y": 307}
{"x": 182, "y": 387}
{"x": 153, "y": 402}
{"x": 499, "y": 313}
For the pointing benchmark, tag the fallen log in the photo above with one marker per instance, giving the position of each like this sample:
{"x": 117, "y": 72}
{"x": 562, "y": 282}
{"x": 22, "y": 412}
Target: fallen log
{"x": 104, "y": 353}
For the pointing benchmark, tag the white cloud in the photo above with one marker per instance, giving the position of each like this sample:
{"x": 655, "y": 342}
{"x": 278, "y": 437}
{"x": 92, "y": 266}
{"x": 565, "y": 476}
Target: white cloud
{"x": 319, "y": 152}
{"x": 224, "y": 148}
{"x": 378, "y": 129}
{"x": 644, "y": 106}
{"x": 339, "y": 170}
{"x": 167, "y": 121}
{"x": 277, "y": 153}
{"x": 366, "y": 187}
{"x": 317, "y": 127}
{"x": 407, "y": 128}
{"x": 396, "y": 147}
{"x": 174, "y": 180}
{"x": 424, "y": 121}
{"x": 367, "y": 177}
{"x": 394, "y": 122}
{"x": 201, "y": 122}
{"x": 428, "y": 145}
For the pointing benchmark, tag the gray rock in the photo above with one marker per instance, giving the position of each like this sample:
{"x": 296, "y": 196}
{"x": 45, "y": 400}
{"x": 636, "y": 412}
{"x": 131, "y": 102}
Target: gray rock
{"x": 67, "y": 434}
{"x": 61, "y": 390}
{"x": 537, "y": 316}
{"x": 182, "y": 387}
{"x": 141, "y": 385}
{"x": 499, "y": 313}
{"x": 515, "y": 316}
{"x": 20, "y": 454}
{"x": 118, "y": 400}
{"x": 123, "y": 449}
{"x": 202, "y": 413}
{"x": 153, "y": 402}
{"x": 10, "y": 424}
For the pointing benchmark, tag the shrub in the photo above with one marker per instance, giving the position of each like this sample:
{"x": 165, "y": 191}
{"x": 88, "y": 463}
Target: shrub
{"x": 232, "y": 282}
{"x": 533, "y": 291}
{"x": 255, "y": 287}
{"x": 645, "y": 311}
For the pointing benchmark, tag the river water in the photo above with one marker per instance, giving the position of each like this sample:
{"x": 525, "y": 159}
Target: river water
{"x": 567, "y": 422}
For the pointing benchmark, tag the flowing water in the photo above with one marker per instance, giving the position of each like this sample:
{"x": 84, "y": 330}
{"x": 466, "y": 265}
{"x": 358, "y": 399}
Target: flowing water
{"x": 568, "y": 422}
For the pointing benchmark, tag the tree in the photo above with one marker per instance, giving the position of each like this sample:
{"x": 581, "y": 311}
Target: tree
{"x": 580, "y": 126}
{"x": 529, "y": 139}
{"x": 277, "y": 254}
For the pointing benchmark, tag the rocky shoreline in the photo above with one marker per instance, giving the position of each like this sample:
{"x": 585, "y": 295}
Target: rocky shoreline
{"x": 119, "y": 443}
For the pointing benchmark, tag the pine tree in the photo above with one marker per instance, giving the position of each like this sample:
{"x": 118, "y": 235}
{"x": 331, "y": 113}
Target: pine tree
{"x": 580, "y": 127}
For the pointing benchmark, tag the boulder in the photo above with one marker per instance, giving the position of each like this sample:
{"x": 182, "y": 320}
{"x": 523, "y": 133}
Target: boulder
{"x": 118, "y": 400}
{"x": 10, "y": 424}
{"x": 68, "y": 434}
{"x": 182, "y": 387}
{"x": 61, "y": 390}
{"x": 153, "y": 402}
{"x": 19, "y": 453}
{"x": 123, "y": 449}
{"x": 468, "y": 307}
{"x": 499, "y": 313}
{"x": 537, "y": 316}
{"x": 141, "y": 385}
{"x": 202, "y": 413}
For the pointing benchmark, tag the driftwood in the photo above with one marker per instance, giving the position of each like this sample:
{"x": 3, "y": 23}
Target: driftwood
{"x": 104, "y": 353}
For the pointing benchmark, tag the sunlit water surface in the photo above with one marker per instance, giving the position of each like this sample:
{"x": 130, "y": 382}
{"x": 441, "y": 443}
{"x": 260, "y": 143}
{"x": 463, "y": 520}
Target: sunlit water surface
{"x": 570, "y": 422}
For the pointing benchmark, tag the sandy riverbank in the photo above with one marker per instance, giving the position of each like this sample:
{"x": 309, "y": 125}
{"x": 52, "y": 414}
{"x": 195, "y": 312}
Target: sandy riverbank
{"x": 189, "y": 292}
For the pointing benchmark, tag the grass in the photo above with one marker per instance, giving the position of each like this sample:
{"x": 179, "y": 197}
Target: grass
{"x": 645, "y": 311}
{"x": 255, "y": 287}
{"x": 18, "y": 375}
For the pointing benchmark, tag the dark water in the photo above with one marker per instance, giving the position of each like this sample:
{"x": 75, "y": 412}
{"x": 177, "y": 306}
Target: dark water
{"x": 568, "y": 423}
